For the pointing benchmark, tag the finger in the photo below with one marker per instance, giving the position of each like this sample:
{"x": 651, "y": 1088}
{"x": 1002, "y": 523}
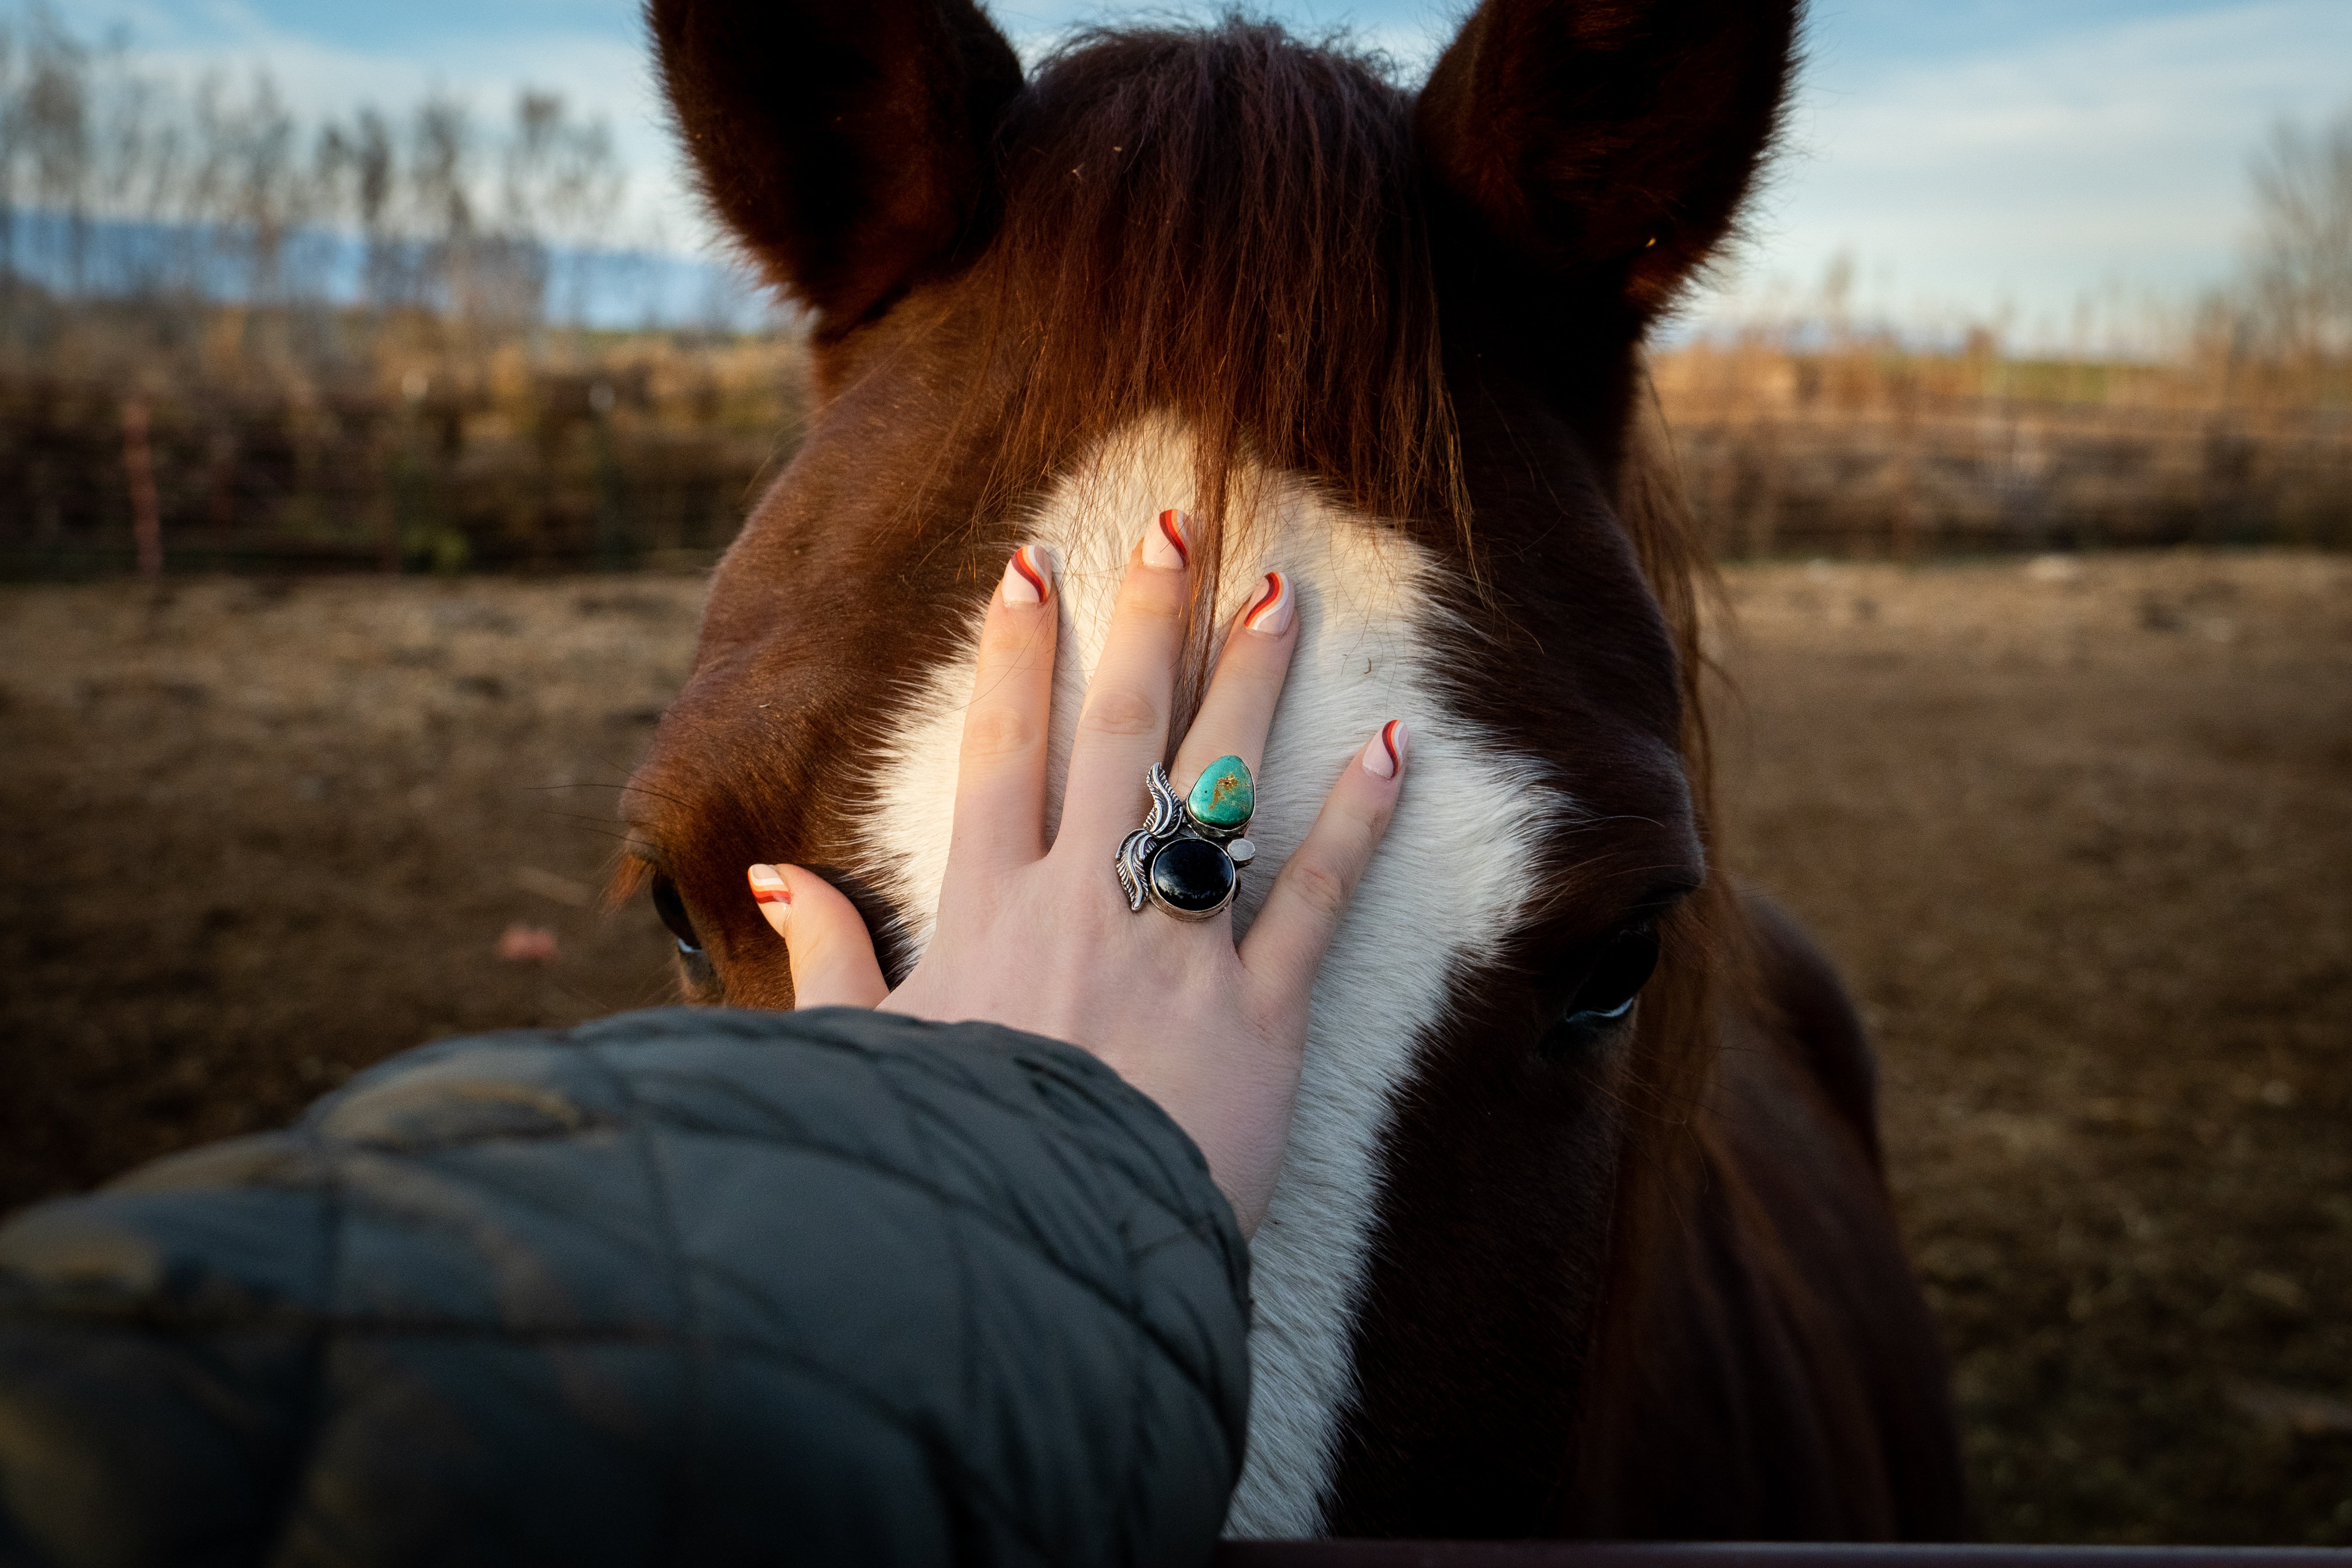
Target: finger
{"x": 1239, "y": 708}
{"x": 1123, "y": 728}
{"x": 1294, "y": 930}
{"x": 1000, "y": 803}
{"x": 832, "y": 956}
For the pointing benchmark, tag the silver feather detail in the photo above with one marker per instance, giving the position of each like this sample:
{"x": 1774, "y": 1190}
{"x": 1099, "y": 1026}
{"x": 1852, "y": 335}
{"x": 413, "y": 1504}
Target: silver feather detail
{"x": 1167, "y": 806}
{"x": 1132, "y": 851}
{"x": 1136, "y": 849}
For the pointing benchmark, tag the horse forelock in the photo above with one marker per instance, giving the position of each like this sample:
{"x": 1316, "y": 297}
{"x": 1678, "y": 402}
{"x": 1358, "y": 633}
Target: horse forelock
{"x": 1222, "y": 226}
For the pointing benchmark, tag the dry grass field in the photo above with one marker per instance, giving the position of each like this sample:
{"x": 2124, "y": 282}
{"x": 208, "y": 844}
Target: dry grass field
{"x": 2080, "y": 834}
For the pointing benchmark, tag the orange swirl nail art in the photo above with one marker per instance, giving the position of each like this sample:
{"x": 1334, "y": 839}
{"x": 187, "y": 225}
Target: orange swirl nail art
{"x": 1171, "y": 528}
{"x": 1270, "y": 616}
{"x": 1030, "y": 566}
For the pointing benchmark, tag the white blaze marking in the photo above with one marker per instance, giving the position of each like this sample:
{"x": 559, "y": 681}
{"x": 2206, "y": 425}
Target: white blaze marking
{"x": 1449, "y": 882}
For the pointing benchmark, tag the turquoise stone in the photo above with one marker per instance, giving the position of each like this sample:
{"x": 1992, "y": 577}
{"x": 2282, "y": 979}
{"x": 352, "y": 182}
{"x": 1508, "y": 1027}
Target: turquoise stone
{"x": 1223, "y": 796}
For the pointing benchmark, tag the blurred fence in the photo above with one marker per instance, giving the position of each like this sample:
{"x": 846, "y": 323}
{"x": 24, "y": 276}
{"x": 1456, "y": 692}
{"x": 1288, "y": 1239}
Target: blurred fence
{"x": 1343, "y": 1553}
{"x": 1744, "y": 1554}
{"x": 405, "y": 443}
{"x": 572, "y": 452}
{"x": 1864, "y": 451}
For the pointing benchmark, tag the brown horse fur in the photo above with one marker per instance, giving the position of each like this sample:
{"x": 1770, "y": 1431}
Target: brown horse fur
{"x": 1654, "y": 1291}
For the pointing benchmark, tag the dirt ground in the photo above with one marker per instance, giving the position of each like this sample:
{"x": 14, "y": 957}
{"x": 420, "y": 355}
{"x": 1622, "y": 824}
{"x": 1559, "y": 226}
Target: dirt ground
{"x": 2080, "y": 835}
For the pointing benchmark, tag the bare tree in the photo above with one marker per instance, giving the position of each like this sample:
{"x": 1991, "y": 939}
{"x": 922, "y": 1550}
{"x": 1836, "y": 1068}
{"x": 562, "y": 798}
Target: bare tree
{"x": 12, "y": 132}
{"x": 373, "y": 174}
{"x": 139, "y": 180}
{"x": 560, "y": 184}
{"x": 2302, "y": 264}
{"x": 53, "y": 107}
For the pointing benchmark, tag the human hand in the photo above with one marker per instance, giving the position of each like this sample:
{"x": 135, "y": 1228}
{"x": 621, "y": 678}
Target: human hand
{"x": 1041, "y": 939}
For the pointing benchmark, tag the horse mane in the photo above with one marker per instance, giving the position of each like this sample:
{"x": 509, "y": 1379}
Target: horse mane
{"x": 1677, "y": 1182}
{"x": 1704, "y": 947}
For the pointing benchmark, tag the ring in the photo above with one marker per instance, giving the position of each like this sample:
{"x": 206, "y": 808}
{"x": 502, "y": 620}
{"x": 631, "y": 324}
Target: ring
{"x": 1186, "y": 856}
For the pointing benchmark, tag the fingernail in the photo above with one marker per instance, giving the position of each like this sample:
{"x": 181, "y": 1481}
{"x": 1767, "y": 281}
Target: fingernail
{"x": 1385, "y": 756}
{"x": 1168, "y": 542}
{"x": 776, "y": 898}
{"x": 1029, "y": 575}
{"x": 1270, "y": 616}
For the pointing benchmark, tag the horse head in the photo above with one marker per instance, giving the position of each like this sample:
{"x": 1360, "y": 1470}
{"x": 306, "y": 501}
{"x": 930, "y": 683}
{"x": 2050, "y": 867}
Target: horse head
{"x": 1389, "y": 342}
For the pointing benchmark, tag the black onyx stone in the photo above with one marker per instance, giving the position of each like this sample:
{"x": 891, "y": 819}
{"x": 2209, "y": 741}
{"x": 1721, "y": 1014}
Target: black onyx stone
{"x": 1192, "y": 875}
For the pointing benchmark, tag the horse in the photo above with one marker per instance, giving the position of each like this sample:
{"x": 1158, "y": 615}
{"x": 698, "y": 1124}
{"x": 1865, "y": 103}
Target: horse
{"x": 1583, "y": 1229}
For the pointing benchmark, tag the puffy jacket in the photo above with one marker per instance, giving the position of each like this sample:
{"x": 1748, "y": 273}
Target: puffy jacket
{"x": 684, "y": 1286}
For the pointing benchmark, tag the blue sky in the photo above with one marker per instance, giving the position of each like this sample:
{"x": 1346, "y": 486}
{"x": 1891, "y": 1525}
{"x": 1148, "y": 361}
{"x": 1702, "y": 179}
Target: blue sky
{"x": 2048, "y": 164}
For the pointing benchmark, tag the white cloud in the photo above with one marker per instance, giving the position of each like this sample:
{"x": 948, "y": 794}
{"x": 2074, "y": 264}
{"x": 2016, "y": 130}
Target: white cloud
{"x": 2107, "y": 162}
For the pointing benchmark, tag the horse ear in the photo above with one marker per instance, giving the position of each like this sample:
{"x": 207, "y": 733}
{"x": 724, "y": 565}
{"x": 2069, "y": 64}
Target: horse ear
{"x": 846, "y": 142}
{"x": 1617, "y": 137}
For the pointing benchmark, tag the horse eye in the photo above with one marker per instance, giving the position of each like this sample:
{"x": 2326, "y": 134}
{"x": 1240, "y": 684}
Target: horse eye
{"x": 1620, "y": 969}
{"x": 672, "y": 910}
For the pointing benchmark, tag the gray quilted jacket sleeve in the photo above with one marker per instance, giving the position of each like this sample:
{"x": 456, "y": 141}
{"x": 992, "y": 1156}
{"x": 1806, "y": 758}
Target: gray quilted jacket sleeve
{"x": 684, "y": 1286}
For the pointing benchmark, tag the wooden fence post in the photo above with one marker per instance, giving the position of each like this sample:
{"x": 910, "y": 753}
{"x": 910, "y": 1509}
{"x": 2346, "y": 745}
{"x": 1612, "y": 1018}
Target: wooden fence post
{"x": 1905, "y": 518}
{"x": 139, "y": 469}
